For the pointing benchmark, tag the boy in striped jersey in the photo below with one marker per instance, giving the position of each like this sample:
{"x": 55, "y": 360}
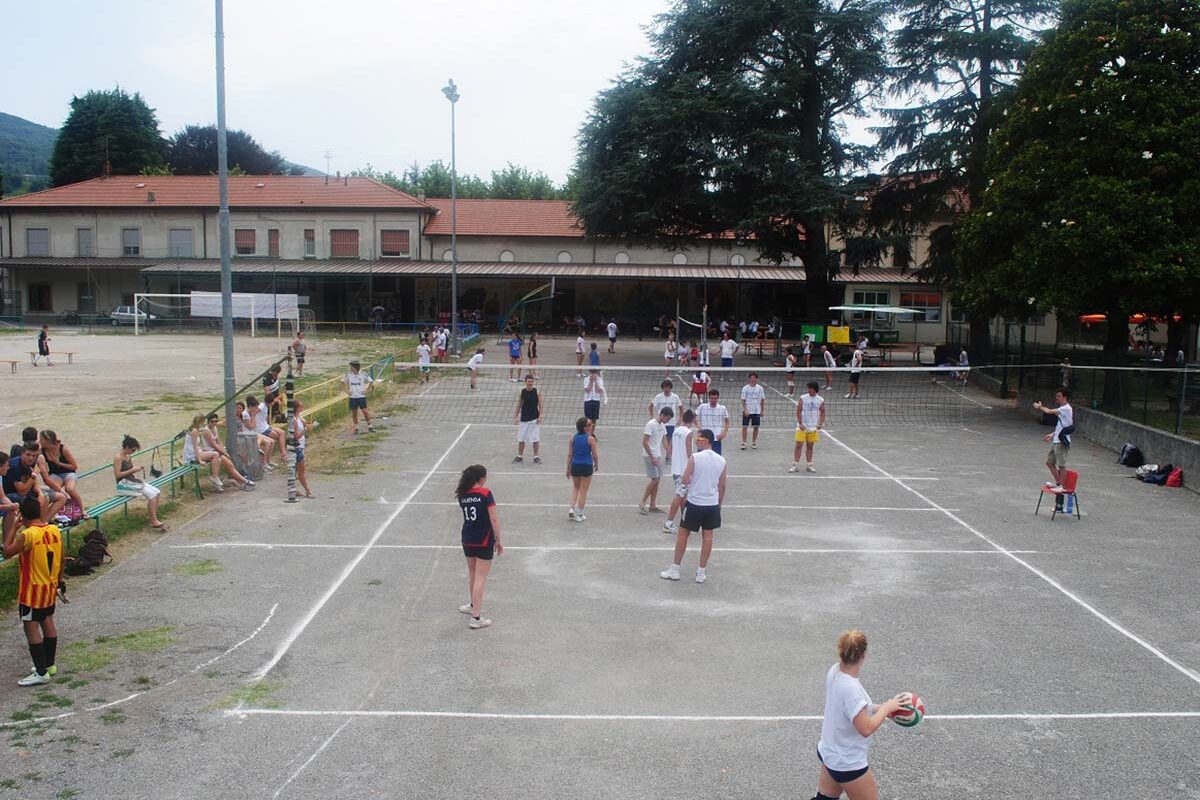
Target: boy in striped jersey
{"x": 40, "y": 550}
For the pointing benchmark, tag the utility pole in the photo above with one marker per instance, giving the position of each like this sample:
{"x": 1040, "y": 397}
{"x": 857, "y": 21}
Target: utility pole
{"x": 451, "y": 92}
{"x": 223, "y": 227}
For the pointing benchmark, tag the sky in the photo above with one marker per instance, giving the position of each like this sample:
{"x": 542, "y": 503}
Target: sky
{"x": 360, "y": 79}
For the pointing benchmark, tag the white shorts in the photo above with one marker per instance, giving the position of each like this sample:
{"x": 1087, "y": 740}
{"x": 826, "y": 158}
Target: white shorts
{"x": 680, "y": 489}
{"x": 137, "y": 489}
{"x": 529, "y": 432}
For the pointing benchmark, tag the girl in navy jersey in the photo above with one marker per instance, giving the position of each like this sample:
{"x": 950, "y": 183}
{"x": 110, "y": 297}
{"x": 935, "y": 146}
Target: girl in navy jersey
{"x": 480, "y": 537}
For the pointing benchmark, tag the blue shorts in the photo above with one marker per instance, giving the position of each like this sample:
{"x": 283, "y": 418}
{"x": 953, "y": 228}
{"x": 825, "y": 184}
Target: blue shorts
{"x": 299, "y": 456}
{"x": 716, "y": 446}
{"x": 591, "y": 409}
{"x": 842, "y": 776}
{"x": 358, "y": 403}
{"x": 726, "y": 362}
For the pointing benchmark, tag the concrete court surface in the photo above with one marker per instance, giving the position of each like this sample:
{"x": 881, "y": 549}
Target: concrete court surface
{"x": 319, "y": 652}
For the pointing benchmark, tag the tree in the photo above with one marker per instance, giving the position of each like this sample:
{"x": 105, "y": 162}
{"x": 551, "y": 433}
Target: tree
{"x": 518, "y": 183}
{"x": 733, "y": 124}
{"x": 951, "y": 66}
{"x": 193, "y": 151}
{"x": 110, "y": 125}
{"x": 511, "y": 183}
{"x": 1094, "y": 199}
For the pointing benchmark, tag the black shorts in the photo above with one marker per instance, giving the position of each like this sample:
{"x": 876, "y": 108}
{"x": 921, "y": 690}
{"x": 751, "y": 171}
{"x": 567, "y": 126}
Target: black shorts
{"x": 843, "y": 776}
{"x": 751, "y": 419}
{"x": 28, "y": 614}
{"x": 299, "y": 359}
{"x": 700, "y": 518}
{"x": 854, "y": 376}
{"x": 612, "y": 339}
{"x": 582, "y": 470}
{"x": 270, "y": 397}
{"x": 484, "y": 551}
{"x": 358, "y": 402}
{"x": 591, "y": 409}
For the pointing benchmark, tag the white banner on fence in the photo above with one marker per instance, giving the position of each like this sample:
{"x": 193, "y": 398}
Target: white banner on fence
{"x": 262, "y": 306}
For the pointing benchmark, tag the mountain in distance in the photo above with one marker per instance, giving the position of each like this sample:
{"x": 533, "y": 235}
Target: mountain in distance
{"x": 304, "y": 170}
{"x": 25, "y": 149}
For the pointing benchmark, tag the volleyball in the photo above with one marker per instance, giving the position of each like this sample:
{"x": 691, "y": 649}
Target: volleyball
{"x": 910, "y": 713}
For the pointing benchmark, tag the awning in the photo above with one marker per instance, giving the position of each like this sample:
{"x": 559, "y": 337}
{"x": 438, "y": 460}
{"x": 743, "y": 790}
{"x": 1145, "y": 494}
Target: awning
{"x": 876, "y": 309}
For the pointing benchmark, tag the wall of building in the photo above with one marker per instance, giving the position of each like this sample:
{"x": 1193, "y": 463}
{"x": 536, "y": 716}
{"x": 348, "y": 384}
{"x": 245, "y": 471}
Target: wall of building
{"x": 546, "y": 250}
{"x": 108, "y": 287}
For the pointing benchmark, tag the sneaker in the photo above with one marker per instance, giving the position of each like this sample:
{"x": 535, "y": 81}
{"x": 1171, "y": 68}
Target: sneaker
{"x": 795, "y": 467}
{"x": 466, "y": 608}
{"x": 51, "y": 670}
{"x": 269, "y": 467}
{"x": 579, "y": 516}
{"x": 810, "y": 468}
{"x": 216, "y": 482}
{"x": 643, "y": 510}
{"x": 571, "y": 513}
{"x": 517, "y": 460}
{"x": 247, "y": 487}
{"x": 249, "y": 483}
{"x": 671, "y": 573}
{"x": 370, "y": 428}
{"x": 1050, "y": 484}
{"x": 669, "y": 527}
{"x": 476, "y": 623}
{"x": 743, "y": 445}
{"x": 62, "y": 519}
{"x": 701, "y": 575}
{"x": 846, "y": 397}
{"x": 656, "y": 510}
{"x": 754, "y": 446}
{"x": 537, "y": 459}
{"x": 829, "y": 387}
{"x": 33, "y": 679}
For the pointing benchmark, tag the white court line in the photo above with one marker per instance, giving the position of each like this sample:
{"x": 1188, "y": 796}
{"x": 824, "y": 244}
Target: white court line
{"x": 586, "y": 548}
{"x": 634, "y": 505}
{"x": 256, "y": 632}
{"x": 299, "y": 628}
{"x": 963, "y": 395}
{"x": 533, "y": 472}
{"x": 1118, "y": 627}
{"x": 311, "y": 758}
{"x": 285, "y": 712}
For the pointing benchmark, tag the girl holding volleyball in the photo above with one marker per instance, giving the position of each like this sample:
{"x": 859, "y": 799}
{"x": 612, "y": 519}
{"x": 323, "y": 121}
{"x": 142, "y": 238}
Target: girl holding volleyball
{"x": 849, "y": 721}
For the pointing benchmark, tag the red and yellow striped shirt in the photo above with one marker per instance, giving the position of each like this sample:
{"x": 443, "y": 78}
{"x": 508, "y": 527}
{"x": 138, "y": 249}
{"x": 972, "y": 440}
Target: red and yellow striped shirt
{"x": 40, "y": 566}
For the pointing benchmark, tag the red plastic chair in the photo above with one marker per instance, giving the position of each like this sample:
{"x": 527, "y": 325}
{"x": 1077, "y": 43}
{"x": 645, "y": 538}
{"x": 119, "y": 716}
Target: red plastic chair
{"x": 1070, "y": 482}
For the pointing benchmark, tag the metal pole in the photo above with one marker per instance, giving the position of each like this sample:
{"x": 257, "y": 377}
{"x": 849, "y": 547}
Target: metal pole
{"x": 1183, "y": 379}
{"x": 223, "y": 226}
{"x": 289, "y": 388}
{"x": 454, "y": 338}
{"x": 1004, "y": 373}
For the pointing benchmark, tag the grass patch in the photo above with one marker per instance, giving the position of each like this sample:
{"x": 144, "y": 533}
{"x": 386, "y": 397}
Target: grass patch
{"x": 9, "y": 783}
{"x": 78, "y": 683}
{"x": 67, "y": 794}
{"x": 70, "y": 740}
{"x": 103, "y": 650}
{"x": 203, "y": 566}
{"x": 143, "y": 681}
{"x": 32, "y": 777}
{"x": 255, "y": 695}
{"x": 51, "y": 699}
{"x": 22, "y": 715}
{"x": 203, "y": 533}
{"x": 114, "y": 717}
{"x": 375, "y": 582}
{"x": 126, "y": 753}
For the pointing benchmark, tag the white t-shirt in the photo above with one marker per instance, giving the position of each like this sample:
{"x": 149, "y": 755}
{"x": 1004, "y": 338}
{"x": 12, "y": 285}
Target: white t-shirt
{"x": 856, "y": 361}
{"x": 590, "y": 393}
{"x": 707, "y": 467}
{"x": 612, "y": 330}
{"x": 439, "y": 341}
{"x": 189, "y": 449}
{"x": 579, "y": 345}
{"x": 656, "y": 431}
{"x": 753, "y": 397}
{"x": 704, "y": 355}
{"x": 259, "y": 424}
{"x": 830, "y": 361}
{"x": 810, "y": 411}
{"x": 712, "y": 417}
{"x": 807, "y": 346}
{"x": 963, "y": 360}
{"x": 298, "y": 430}
{"x": 357, "y": 383}
{"x": 728, "y": 348}
{"x": 671, "y": 401}
{"x": 679, "y": 453}
{"x": 474, "y": 361}
{"x": 841, "y": 746}
{"x": 863, "y": 343}
{"x": 1066, "y": 416}
{"x": 423, "y": 354}
{"x": 670, "y": 349}
{"x": 246, "y": 429}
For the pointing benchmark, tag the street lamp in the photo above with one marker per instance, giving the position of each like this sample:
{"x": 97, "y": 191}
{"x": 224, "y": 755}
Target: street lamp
{"x": 451, "y": 92}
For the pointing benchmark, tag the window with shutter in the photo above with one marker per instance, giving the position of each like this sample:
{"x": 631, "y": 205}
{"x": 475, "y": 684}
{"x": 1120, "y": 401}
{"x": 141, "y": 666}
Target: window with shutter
{"x": 393, "y": 244}
{"x": 131, "y": 241}
{"x": 243, "y": 241}
{"x": 343, "y": 243}
{"x": 37, "y": 241}
{"x": 310, "y": 243}
{"x": 83, "y": 243}
{"x": 179, "y": 243}
{"x": 273, "y": 242}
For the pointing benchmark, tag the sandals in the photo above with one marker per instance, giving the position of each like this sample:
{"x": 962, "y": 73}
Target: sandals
{"x": 162, "y": 526}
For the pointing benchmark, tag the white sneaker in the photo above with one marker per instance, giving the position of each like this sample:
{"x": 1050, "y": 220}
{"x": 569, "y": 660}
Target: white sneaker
{"x": 249, "y": 483}
{"x": 829, "y": 387}
{"x": 477, "y": 622}
{"x": 269, "y": 467}
{"x": 33, "y": 679}
{"x": 1050, "y": 484}
{"x": 846, "y": 397}
{"x": 466, "y": 608}
{"x": 810, "y": 468}
{"x": 643, "y": 510}
{"x": 795, "y": 467}
{"x": 671, "y": 573}
{"x": 579, "y": 516}
{"x": 668, "y": 527}
{"x": 216, "y": 482}
{"x": 701, "y": 575}
{"x": 743, "y": 445}
{"x": 571, "y": 513}
{"x": 754, "y": 446}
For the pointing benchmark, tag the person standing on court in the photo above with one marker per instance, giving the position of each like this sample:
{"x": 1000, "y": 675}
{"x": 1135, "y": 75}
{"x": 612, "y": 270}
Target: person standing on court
{"x": 830, "y": 365}
{"x": 1060, "y": 438}
{"x": 583, "y": 459}
{"x": 480, "y": 538}
{"x": 848, "y": 723}
{"x": 653, "y": 454}
{"x": 612, "y": 335}
{"x": 357, "y": 383}
{"x": 43, "y": 346}
{"x": 533, "y": 355}
{"x": 666, "y": 399}
{"x": 753, "y": 406}
{"x": 529, "y": 426}
{"x": 299, "y": 349}
{"x": 39, "y": 546}
{"x": 728, "y": 348}
{"x": 579, "y": 348}
{"x": 514, "y": 357}
{"x": 704, "y": 476}
{"x": 810, "y": 419}
{"x": 714, "y": 416}
{"x": 856, "y": 362}
{"x": 806, "y": 349}
{"x": 593, "y": 394}
{"x": 681, "y": 451}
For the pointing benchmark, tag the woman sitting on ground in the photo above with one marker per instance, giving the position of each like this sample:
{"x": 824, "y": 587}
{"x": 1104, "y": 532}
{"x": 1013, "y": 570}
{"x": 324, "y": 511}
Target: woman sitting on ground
{"x": 200, "y": 446}
{"x": 131, "y": 480}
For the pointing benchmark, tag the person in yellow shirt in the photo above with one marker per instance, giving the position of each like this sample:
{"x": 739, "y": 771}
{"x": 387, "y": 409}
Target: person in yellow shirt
{"x": 39, "y": 548}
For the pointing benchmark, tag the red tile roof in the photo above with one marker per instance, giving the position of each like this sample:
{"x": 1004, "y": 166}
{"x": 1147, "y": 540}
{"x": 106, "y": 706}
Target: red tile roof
{"x": 505, "y": 218}
{"x": 245, "y": 191}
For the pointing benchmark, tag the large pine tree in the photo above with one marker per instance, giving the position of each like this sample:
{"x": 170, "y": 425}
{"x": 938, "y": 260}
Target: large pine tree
{"x": 734, "y": 124}
{"x": 193, "y": 151}
{"x": 110, "y": 124}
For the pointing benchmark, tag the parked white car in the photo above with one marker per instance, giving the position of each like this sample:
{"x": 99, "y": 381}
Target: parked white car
{"x": 124, "y": 315}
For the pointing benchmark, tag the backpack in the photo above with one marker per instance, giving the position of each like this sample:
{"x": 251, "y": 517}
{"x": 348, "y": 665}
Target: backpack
{"x": 92, "y": 553}
{"x": 1131, "y": 456}
{"x": 1144, "y": 470}
{"x": 1176, "y": 477}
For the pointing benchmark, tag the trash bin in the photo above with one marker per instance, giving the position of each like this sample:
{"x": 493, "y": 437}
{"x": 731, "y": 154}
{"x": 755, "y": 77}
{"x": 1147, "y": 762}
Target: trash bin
{"x": 247, "y": 458}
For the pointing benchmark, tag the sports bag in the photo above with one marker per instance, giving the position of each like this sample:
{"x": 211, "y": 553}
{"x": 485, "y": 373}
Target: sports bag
{"x": 1176, "y": 477}
{"x": 1131, "y": 456}
{"x": 1144, "y": 470}
{"x": 92, "y": 554}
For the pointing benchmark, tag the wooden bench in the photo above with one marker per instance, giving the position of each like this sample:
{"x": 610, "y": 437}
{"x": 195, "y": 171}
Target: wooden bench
{"x": 121, "y": 501}
{"x": 70, "y": 354}
{"x": 11, "y": 363}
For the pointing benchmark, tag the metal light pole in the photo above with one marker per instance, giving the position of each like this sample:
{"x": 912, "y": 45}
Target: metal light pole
{"x": 451, "y": 92}
{"x": 223, "y": 226}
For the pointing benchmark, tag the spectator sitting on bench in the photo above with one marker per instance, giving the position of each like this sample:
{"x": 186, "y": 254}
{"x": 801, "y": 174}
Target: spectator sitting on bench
{"x": 198, "y": 449}
{"x": 28, "y": 436}
{"x": 131, "y": 480}
{"x": 21, "y": 479}
{"x": 262, "y": 426}
{"x": 8, "y": 508}
{"x": 248, "y": 426}
{"x": 61, "y": 467}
